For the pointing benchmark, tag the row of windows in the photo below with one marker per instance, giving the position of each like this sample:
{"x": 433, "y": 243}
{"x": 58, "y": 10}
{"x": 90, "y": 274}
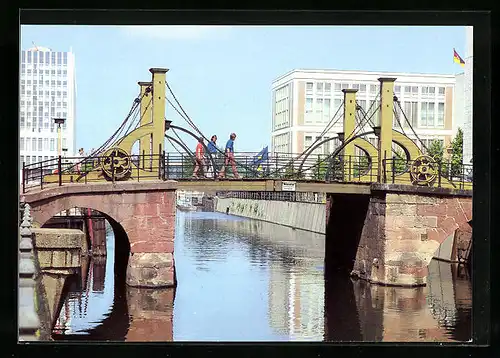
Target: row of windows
{"x": 325, "y": 88}
{"x": 39, "y": 144}
{"x": 282, "y": 92}
{"x": 47, "y": 82}
{"x": 54, "y": 104}
{"x": 32, "y": 159}
{"x": 47, "y": 57}
{"x": 282, "y": 143}
{"x": 41, "y": 72}
{"x": 281, "y": 120}
{"x": 40, "y": 123}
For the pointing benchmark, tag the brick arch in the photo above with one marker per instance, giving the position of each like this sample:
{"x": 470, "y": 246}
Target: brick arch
{"x": 148, "y": 218}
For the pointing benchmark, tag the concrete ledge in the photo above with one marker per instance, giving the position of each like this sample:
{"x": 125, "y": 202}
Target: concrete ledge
{"x": 414, "y": 189}
{"x": 154, "y": 270}
{"x": 58, "y": 238}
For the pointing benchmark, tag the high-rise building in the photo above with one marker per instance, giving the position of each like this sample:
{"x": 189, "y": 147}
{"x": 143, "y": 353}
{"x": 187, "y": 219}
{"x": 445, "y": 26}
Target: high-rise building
{"x": 304, "y": 101}
{"x": 467, "y": 145}
{"x": 47, "y": 91}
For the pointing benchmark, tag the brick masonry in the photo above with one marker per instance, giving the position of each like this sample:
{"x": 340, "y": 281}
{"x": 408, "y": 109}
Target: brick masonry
{"x": 148, "y": 219}
{"x": 402, "y": 232}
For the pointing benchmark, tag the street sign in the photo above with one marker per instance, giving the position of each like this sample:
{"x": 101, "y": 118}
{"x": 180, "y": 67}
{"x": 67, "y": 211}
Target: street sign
{"x": 288, "y": 186}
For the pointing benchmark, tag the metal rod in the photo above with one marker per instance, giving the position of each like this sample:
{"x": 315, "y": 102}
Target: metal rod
{"x": 24, "y": 177}
{"x": 393, "y": 169}
{"x": 143, "y": 158}
{"x": 59, "y": 169}
{"x": 41, "y": 175}
{"x": 167, "y": 166}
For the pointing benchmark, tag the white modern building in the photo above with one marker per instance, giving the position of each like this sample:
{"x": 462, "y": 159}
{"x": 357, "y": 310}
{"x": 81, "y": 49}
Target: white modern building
{"x": 467, "y": 154}
{"x": 304, "y": 101}
{"x": 47, "y": 91}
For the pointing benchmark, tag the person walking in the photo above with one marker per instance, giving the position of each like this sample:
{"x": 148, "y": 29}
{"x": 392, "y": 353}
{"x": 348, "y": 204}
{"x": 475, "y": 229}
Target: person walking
{"x": 199, "y": 158}
{"x": 81, "y": 154}
{"x": 212, "y": 150}
{"x": 229, "y": 154}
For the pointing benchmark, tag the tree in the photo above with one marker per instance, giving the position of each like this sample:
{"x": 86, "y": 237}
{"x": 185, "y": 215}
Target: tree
{"x": 457, "y": 153}
{"x": 436, "y": 152}
{"x": 292, "y": 173}
{"x": 361, "y": 166}
{"x": 187, "y": 166}
{"x": 319, "y": 169}
{"x": 400, "y": 162}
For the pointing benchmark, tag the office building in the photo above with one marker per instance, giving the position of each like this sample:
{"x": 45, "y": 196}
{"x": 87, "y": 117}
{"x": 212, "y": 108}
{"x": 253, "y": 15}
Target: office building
{"x": 304, "y": 101}
{"x": 467, "y": 156}
{"x": 47, "y": 91}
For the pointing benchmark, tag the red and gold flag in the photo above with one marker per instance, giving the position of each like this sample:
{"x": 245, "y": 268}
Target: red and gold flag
{"x": 458, "y": 59}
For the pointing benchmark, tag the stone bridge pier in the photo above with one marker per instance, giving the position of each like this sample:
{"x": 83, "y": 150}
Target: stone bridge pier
{"x": 390, "y": 236}
{"x": 142, "y": 216}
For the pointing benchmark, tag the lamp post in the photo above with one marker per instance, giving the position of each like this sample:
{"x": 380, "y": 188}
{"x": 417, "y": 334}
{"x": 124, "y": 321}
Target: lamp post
{"x": 59, "y": 121}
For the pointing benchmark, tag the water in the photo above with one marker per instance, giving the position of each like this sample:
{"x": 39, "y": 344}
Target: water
{"x": 245, "y": 280}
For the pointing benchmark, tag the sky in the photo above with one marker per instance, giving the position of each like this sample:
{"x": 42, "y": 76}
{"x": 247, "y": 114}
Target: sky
{"x": 222, "y": 75}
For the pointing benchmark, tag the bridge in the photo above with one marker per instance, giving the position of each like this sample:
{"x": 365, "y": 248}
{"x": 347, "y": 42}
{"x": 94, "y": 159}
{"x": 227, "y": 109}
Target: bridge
{"x": 386, "y": 212}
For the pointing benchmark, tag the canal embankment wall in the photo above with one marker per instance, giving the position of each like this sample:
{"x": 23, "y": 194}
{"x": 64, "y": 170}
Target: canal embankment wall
{"x": 298, "y": 215}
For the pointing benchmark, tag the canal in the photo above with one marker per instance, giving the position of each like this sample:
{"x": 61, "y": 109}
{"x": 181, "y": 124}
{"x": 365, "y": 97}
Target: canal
{"x": 245, "y": 280}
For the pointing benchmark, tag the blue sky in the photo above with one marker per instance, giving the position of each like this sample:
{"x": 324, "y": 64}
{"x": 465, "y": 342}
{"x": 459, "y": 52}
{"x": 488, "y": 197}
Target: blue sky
{"x": 222, "y": 75}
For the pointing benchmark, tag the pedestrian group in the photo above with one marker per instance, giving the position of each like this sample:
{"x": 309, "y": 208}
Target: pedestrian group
{"x": 203, "y": 164}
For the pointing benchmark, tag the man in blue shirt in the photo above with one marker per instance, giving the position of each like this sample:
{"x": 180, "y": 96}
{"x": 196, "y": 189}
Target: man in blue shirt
{"x": 230, "y": 157}
{"x": 212, "y": 149}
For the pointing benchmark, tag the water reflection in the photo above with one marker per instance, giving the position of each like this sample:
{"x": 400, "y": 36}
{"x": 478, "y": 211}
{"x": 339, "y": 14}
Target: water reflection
{"x": 244, "y": 280}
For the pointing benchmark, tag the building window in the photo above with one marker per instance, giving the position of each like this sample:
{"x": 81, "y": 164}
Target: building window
{"x": 397, "y": 89}
{"x": 307, "y": 141}
{"x": 40, "y": 144}
{"x": 35, "y": 57}
{"x": 33, "y": 144}
{"x": 52, "y": 144}
{"x": 29, "y": 58}
{"x": 21, "y": 143}
{"x": 328, "y": 88}
{"x": 373, "y": 89}
{"x": 22, "y": 122}
{"x": 46, "y": 157}
{"x": 39, "y": 158}
{"x": 432, "y": 90}
{"x": 309, "y": 105}
{"x": 64, "y": 143}
{"x": 65, "y": 58}
{"x": 28, "y": 160}
{"x": 326, "y": 107}
{"x": 319, "y": 105}
{"x": 46, "y": 144}
{"x": 411, "y": 112}
{"x": 344, "y": 86}
{"x": 441, "y": 90}
{"x": 319, "y": 87}
{"x": 362, "y": 88}
{"x": 362, "y": 104}
{"x": 440, "y": 116}
{"x": 22, "y": 160}
{"x": 337, "y": 87}
{"x": 33, "y": 159}
{"x": 59, "y": 58}
{"x": 427, "y": 114}
{"x": 355, "y": 86}
{"x": 23, "y": 56}
{"x": 309, "y": 87}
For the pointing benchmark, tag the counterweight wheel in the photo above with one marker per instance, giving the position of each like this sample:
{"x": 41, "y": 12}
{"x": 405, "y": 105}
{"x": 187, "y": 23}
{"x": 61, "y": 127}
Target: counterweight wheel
{"x": 423, "y": 171}
{"x": 116, "y": 160}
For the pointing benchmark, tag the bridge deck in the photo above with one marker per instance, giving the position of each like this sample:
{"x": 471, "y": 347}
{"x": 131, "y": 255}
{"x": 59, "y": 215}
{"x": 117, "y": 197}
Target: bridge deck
{"x": 211, "y": 186}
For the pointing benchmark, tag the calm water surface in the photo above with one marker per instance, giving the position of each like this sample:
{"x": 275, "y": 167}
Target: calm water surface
{"x": 245, "y": 280}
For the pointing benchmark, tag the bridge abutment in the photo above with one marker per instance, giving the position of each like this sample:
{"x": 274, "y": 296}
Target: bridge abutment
{"x": 400, "y": 233}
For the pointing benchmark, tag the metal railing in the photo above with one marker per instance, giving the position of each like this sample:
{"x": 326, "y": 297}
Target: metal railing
{"x": 29, "y": 322}
{"x": 428, "y": 173}
{"x": 175, "y": 166}
{"x": 294, "y": 196}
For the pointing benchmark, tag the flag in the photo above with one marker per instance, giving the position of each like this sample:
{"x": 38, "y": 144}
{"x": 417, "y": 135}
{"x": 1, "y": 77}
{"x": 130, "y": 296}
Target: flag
{"x": 458, "y": 59}
{"x": 259, "y": 158}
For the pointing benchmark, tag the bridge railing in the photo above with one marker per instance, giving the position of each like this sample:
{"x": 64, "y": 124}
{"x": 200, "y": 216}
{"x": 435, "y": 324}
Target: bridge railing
{"x": 294, "y": 196}
{"x": 428, "y": 173}
{"x": 175, "y": 166}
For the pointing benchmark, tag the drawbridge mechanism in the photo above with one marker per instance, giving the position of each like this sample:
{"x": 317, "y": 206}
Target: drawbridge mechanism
{"x": 424, "y": 171}
{"x": 116, "y": 163}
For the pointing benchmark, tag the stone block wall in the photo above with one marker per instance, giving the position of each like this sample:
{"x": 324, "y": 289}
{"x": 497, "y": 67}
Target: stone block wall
{"x": 146, "y": 214}
{"x": 304, "y": 216}
{"x": 402, "y": 233}
{"x": 58, "y": 248}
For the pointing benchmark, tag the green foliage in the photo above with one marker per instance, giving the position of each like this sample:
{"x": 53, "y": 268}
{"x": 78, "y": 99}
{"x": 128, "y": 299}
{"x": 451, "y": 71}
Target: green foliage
{"x": 292, "y": 173}
{"x": 457, "y": 153}
{"x": 187, "y": 165}
{"x": 436, "y": 151}
{"x": 400, "y": 163}
{"x": 320, "y": 168}
{"x": 361, "y": 165}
